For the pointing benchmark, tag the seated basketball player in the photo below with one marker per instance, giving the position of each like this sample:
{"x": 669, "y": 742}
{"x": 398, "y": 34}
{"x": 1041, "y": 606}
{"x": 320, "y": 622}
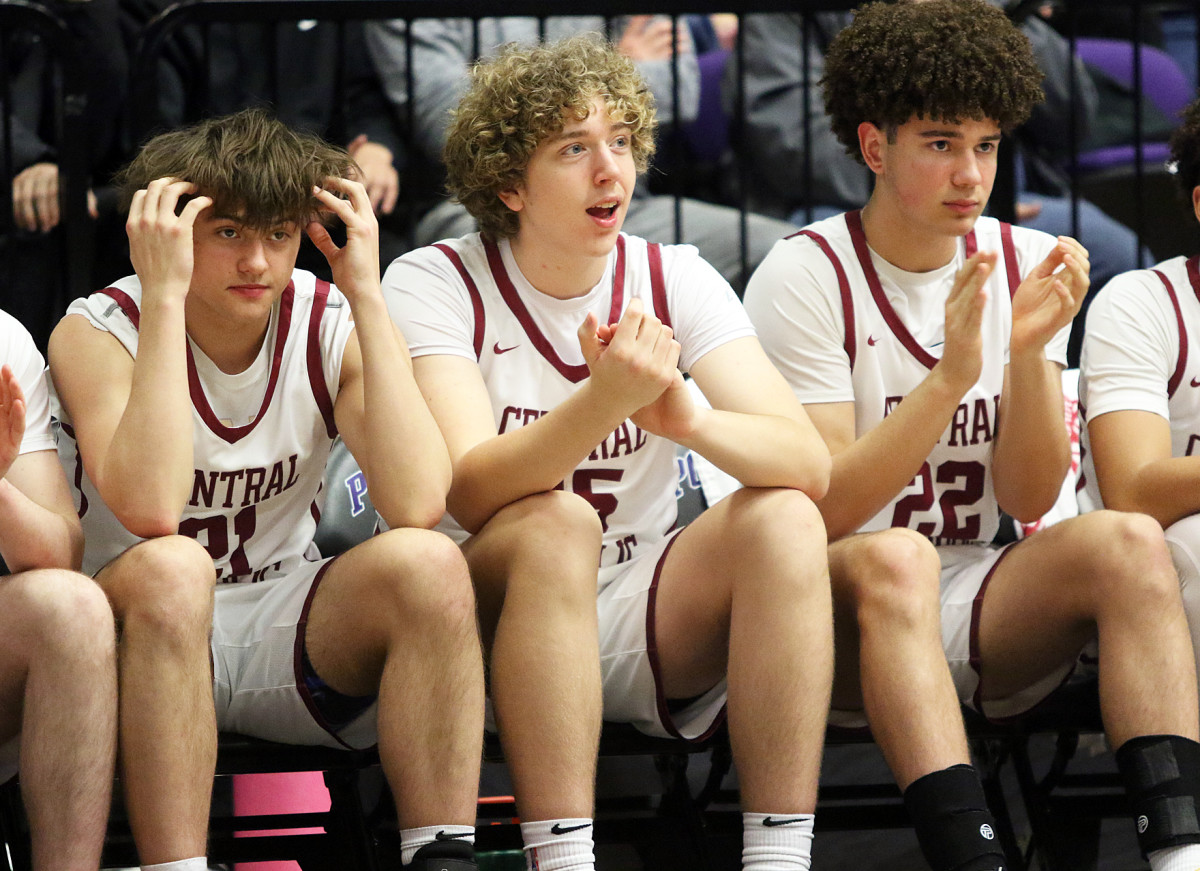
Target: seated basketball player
{"x": 198, "y": 400}
{"x": 927, "y": 343}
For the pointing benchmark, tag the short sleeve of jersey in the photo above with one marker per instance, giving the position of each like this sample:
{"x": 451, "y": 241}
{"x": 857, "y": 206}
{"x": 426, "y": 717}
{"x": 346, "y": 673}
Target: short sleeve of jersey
{"x": 27, "y": 363}
{"x": 1130, "y": 347}
{"x": 105, "y": 314}
{"x": 705, "y": 312}
{"x": 792, "y": 300}
{"x": 429, "y": 301}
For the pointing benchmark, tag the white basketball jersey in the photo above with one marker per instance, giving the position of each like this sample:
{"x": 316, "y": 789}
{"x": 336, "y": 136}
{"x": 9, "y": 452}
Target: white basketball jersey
{"x": 523, "y": 340}
{"x": 256, "y": 493}
{"x": 1141, "y": 369}
{"x": 951, "y": 500}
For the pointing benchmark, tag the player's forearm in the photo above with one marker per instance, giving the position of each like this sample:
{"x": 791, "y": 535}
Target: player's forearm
{"x": 868, "y": 473}
{"x": 529, "y": 459}
{"x": 406, "y": 464}
{"x": 147, "y": 471}
{"x": 763, "y": 450}
{"x": 34, "y": 537}
{"x": 1167, "y": 489}
{"x": 1032, "y": 450}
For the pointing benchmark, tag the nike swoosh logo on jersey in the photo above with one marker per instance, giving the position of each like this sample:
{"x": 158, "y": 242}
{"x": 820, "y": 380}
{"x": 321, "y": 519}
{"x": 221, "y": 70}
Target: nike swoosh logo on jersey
{"x": 772, "y": 822}
{"x": 442, "y": 836}
{"x": 871, "y": 340}
{"x": 497, "y": 350}
{"x": 1196, "y": 383}
{"x": 559, "y": 829}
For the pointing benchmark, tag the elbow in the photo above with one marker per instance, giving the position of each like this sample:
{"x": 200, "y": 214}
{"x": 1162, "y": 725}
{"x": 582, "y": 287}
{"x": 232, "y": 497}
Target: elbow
{"x": 820, "y": 477}
{"x": 423, "y": 512}
{"x": 147, "y": 521}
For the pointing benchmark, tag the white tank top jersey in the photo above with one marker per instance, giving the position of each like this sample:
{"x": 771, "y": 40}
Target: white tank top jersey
{"x": 844, "y": 325}
{"x": 261, "y": 437}
{"x": 1140, "y": 353}
{"x": 467, "y": 298}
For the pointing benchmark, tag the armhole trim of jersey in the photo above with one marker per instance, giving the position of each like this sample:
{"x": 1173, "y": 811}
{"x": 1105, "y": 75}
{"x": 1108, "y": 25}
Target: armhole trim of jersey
{"x": 1010, "y": 259}
{"x": 316, "y": 371}
{"x": 848, "y": 341}
{"x": 658, "y": 286}
{"x": 1181, "y": 359}
{"x": 472, "y": 291}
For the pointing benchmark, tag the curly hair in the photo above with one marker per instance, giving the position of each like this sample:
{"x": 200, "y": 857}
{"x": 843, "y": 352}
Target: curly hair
{"x": 251, "y": 164}
{"x": 1185, "y": 151}
{"x": 943, "y": 60}
{"x": 518, "y": 100}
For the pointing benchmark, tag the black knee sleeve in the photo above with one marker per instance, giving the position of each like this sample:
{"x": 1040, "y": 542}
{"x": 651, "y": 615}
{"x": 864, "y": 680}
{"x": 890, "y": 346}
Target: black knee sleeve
{"x": 954, "y": 827}
{"x": 1162, "y": 780}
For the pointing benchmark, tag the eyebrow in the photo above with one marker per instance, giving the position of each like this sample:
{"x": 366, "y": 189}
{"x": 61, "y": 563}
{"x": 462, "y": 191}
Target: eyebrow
{"x": 567, "y": 133}
{"x": 956, "y": 134}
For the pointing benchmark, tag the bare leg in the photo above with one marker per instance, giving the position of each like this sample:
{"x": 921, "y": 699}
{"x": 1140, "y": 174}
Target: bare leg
{"x": 162, "y": 595}
{"x": 395, "y": 615}
{"x": 58, "y": 687}
{"x": 745, "y": 591}
{"x": 890, "y": 660}
{"x": 1104, "y": 574}
{"x": 534, "y": 568}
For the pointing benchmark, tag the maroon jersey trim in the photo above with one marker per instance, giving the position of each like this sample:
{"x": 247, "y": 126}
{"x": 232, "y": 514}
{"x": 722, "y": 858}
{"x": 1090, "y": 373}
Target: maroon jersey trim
{"x": 83, "y": 500}
{"x": 1010, "y": 258}
{"x": 660, "y": 696}
{"x": 199, "y": 400}
{"x": 859, "y": 238}
{"x": 298, "y": 658}
{"x": 316, "y": 372}
{"x": 976, "y": 657}
{"x": 658, "y": 285}
{"x": 1011, "y": 268}
{"x": 512, "y": 299}
{"x": 232, "y": 434}
{"x": 848, "y": 343}
{"x": 1180, "y": 361}
{"x": 472, "y": 290}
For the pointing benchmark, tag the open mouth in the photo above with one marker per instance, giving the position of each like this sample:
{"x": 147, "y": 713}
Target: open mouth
{"x": 603, "y": 211}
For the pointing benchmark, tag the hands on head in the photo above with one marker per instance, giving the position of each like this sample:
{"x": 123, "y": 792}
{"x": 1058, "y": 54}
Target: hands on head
{"x": 160, "y": 233}
{"x": 355, "y": 265}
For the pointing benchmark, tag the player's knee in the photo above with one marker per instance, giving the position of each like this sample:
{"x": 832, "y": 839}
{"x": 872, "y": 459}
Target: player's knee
{"x": 769, "y": 516}
{"x": 894, "y": 580}
{"x": 163, "y": 586}
{"x": 65, "y": 613}
{"x": 423, "y": 577}
{"x": 1128, "y": 562}
{"x": 558, "y": 535}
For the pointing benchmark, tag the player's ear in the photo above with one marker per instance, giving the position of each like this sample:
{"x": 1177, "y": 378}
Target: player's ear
{"x": 512, "y": 197}
{"x": 1196, "y": 201}
{"x": 871, "y": 143}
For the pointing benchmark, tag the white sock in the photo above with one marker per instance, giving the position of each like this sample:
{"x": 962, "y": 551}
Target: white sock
{"x": 777, "y": 842}
{"x": 199, "y": 863}
{"x": 412, "y": 840}
{"x": 559, "y": 845}
{"x": 1185, "y": 857}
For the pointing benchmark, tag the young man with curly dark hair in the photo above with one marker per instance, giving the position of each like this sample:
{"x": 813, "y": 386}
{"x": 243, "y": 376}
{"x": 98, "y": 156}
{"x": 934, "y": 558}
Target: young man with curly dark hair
{"x": 550, "y": 348}
{"x": 927, "y": 343}
{"x": 1138, "y": 388}
{"x": 198, "y": 402}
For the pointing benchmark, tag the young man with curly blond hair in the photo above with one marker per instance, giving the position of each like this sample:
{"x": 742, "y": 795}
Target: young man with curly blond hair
{"x": 927, "y": 342}
{"x": 550, "y": 348}
{"x": 198, "y": 402}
